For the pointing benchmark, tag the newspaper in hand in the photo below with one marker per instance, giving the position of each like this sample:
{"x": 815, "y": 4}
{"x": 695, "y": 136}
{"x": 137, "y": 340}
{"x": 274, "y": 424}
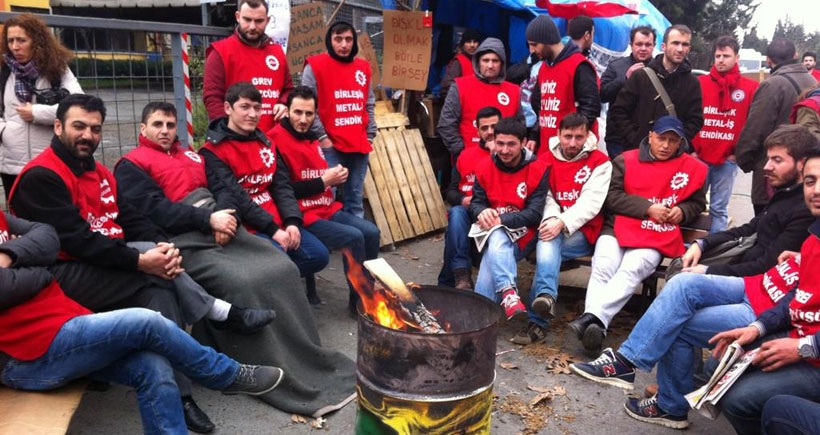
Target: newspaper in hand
{"x": 733, "y": 363}
{"x": 480, "y": 236}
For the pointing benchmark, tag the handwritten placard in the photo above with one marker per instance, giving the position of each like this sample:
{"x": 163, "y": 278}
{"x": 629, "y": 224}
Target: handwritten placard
{"x": 367, "y": 53}
{"x": 407, "y": 46}
{"x": 307, "y": 35}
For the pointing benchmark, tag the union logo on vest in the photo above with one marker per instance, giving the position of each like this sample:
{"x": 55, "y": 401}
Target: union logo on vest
{"x": 583, "y": 174}
{"x": 521, "y": 190}
{"x": 738, "y": 95}
{"x": 679, "y": 181}
{"x": 272, "y": 62}
{"x": 267, "y": 157}
{"x": 193, "y": 156}
{"x": 503, "y": 99}
{"x": 361, "y": 78}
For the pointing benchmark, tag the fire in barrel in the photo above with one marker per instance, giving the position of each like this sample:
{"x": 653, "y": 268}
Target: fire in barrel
{"x": 426, "y": 356}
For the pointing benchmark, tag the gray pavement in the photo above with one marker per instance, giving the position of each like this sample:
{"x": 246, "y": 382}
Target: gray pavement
{"x": 585, "y": 408}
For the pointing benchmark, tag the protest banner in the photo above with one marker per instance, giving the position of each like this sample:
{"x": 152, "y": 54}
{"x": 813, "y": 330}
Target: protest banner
{"x": 278, "y": 27}
{"x": 407, "y": 46}
{"x": 307, "y": 35}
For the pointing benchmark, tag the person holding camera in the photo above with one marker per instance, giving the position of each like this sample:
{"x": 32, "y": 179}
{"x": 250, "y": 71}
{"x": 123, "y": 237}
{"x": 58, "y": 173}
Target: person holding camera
{"x": 34, "y": 77}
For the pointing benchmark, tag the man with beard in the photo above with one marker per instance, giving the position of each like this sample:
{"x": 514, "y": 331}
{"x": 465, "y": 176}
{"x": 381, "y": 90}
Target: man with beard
{"x": 248, "y": 56}
{"x": 346, "y": 124}
{"x": 638, "y": 104}
{"x": 641, "y": 43}
{"x": 462, "y": 63}
{"x": 581, "y": 30}
{"x": 810, "y": 62}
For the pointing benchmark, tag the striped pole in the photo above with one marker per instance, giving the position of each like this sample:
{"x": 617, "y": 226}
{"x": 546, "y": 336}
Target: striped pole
{"x": 186, "y": 42}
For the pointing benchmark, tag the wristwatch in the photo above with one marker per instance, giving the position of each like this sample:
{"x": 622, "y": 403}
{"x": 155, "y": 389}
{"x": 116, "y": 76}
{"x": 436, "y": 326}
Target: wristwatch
{"x": 805, "y": 347}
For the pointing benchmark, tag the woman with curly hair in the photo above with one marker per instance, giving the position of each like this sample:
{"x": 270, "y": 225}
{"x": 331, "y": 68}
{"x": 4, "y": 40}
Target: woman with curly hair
{"x": 33, "y": 62}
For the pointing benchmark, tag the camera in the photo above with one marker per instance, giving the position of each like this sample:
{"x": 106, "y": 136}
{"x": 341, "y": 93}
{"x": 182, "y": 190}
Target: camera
{"x": 52, "y": 96}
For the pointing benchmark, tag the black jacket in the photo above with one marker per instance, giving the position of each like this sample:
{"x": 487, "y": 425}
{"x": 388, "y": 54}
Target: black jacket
{"x": 781, "y": 227}
{"x": 27, "y": 275}
{"x": 613, "y": 79}
{"x": 233, "y": 196}
{"x": 41, "y": 196}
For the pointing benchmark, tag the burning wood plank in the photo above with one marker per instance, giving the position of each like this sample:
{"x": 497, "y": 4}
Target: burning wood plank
{"x": 386, "y": 276}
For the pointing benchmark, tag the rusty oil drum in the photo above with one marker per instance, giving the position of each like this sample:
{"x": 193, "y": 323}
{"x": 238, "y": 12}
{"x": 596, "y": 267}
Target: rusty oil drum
{"x": 418, "y": 383}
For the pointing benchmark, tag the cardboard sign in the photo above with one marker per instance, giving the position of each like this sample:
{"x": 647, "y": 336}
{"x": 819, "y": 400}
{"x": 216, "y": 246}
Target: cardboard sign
{"x": 367, "y": 53}
{"x": 307, "y": 35}
{"x": 407, "y": 46}
{"x": 279, "y": 25}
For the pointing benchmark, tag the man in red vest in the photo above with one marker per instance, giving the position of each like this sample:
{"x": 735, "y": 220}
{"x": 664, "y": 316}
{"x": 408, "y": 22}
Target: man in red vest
{"x": 579, "y": 177}
{"x": 346, "y": 124}
{"x": 312, "y": 181}
{"x": 471, "y": 93}
{"x": 810, "y": 62}
{"x": 509, "y": 194}
{"x": 462, "y": 63}
{"x": 727, "y": 96}
{"x": 248, "y": 55}
{"x": 456, "y": 269}
{"x": 567, "y": 81}
{"x": 653, "y": 190}
{"x": 47, "y": 339}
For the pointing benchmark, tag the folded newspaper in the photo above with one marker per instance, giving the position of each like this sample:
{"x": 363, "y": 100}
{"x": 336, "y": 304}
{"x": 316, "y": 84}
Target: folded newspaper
{"x": 480, "y": 235}
{"x": 732, "y": 365}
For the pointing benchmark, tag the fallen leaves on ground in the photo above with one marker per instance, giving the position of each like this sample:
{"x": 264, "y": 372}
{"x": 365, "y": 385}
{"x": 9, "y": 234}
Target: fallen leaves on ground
{"x": 555, "y": 360}
{"x": 537, "y": 411}
{"x": 508, "y": 366}
{"x": 315, "y": 423}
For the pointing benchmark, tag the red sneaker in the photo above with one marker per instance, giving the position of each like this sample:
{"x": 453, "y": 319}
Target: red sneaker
{"x": 512, "y": 303}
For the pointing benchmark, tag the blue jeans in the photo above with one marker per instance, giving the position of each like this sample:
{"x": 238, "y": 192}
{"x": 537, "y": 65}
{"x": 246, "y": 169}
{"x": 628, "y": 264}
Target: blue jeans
{"x": 456, "y": 244}
{"x": 311, "y": 256}
{"x": 344, "y": 230}
{"x": 743, "y": 403}
{"x": 499, "y": 268}
{"x": 690, "y": 310}
{"x": 549, "y": 256}
{"x": 721, "y": 179}
{"x": 789, "y": 415}
{"x": 614, "y": 149}
{"x": 135, "y": 347}
{"x": 353, "y": 188}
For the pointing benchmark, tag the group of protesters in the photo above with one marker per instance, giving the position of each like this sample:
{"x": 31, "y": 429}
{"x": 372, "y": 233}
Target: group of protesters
{"x": 219, "y": 237}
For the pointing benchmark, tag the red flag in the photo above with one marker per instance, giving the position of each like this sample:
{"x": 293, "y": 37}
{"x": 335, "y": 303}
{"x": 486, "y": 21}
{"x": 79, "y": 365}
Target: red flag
{"x": 591, "y": 9}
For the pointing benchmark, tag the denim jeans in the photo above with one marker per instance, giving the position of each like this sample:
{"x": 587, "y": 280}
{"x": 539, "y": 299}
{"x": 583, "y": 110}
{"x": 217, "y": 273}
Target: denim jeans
{"x": 353, "y": 188}
{"x": 721, "y": 179}
{"x": 135, "y": 347}
{"x": 549, "y": 256}
{"x": 690, "y": 310}
{"x": 344, "y": 230}
{"x": 499, "y": 268}
{"x": 311, "y": 256}
{"x": 743, "y": 403}
{"x": 614, "y": 149}
{"x": 456, "y": 244}
{"x": 789, "y": 415}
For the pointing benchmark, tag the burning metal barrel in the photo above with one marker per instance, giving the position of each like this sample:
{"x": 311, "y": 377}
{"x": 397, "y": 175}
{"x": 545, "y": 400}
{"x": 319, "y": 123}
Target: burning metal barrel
{"x": 411, "y": 382}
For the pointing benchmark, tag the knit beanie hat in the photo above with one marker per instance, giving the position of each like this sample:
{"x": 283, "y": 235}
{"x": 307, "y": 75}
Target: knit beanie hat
{"x": 542, "y": 29}
{"x": 469, "y": 34}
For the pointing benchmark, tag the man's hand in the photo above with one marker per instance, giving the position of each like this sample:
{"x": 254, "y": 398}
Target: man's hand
{"x": 701, "y": 269}
{"x": 5, "y": 260}
{"x": 742, "y": 336}
{"x": 550, "y": 229}
{"x": 774, "y": 354}
{"x": 675, "y": 215}
{"x": 530, "y": 145}
{"x": 491, "y": 146}
{"x": 279, "y": 111}
{"x": 465, "y": 202}
{"x": 636, "y": 66}
{"x": 786, "y": 255}
{"x": 732, "y": 158}
{"x": 691, "y": 256}
{"x": 326, "y": 143}
{"x": 163, "y": 261}
{"x": 335, "y": 176}
{"x": 658, "y": 213}
{"x": 25, "y": 112}
{"x": 295, "y": 236}
{"x": 223, "y": 221}
{"x": 488, "y": 218}
{"x": 282, "y": 238}
{"x": 221, "y": 238}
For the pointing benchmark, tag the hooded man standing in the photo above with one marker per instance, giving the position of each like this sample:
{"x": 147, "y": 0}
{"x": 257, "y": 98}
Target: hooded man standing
{"x": 346, "y": 124}
{"x": 462, "y": 63}
{"x": 469, "y": 94}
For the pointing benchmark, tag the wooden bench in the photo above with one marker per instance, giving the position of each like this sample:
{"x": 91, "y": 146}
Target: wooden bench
{"x": 40, "y": 413}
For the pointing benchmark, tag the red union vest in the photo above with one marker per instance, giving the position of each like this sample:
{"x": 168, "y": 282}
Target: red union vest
{"x": 306, "y": 162}
{"x": 468, "y": 161}
{"x": 27, "y": 329}
{"x": 466, "y": 65}
{"x": 804, "y": 309}
{"x": 669, "y": 182}
{"x": 566, "y": 181}
{"x": 264, "y": 67}
{"x": 721, "y": 130}
{"x": 177, "y": 172}
{"x": 253, "y": 164}
{"x": 766, "y": 289}
{"x": 475, "y": 95}
{"x": 342, "y": 89}
{"x": 94, "y": 193}
{"x": 508, "y": 192}
{"x": 557, "y": 96}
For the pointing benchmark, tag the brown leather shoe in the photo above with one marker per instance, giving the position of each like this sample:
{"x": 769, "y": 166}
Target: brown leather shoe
{"x": 463, "y": 278}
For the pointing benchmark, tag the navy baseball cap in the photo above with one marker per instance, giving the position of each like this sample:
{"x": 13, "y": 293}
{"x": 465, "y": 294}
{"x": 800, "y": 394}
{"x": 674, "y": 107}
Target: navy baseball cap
{"x": 668, "y": 123}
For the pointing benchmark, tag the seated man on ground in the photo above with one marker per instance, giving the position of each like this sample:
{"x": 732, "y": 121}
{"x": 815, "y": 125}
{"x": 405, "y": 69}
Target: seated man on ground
{"x": 579, "y": 177}
{"x": 509, "y": 191}
{"x": 240, "y": 156}
{"x": 782, "y": 225}
{"x": 457, "y": 268}
{"x": 47, "y": 340}
{"x": 313, "y": 181}
{"x": 654, "y": 189}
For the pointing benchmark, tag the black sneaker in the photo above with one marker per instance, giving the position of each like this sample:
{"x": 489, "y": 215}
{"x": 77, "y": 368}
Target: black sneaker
{"x": 647, "y": 410}
{"x": 544, "y": 307}
{"x": 255, "y": 380}
{"x": 593, "y": 339}
{"x": 607, "y": 369}
{"x": 529, "y": 335}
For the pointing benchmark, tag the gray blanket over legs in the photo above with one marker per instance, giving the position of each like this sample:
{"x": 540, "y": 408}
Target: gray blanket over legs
{"x": 250, "y": 272}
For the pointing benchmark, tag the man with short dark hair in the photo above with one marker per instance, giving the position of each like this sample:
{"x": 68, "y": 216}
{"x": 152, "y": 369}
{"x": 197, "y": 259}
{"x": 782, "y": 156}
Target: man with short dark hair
{"x": 810, "y": 62}
{"x": 248, "y": 55}
{"x": 581, "y": 30}
{"x": 771, "y": 106}
{"x": 638, "y": 104}
{"x": 462, "y": 63}
{"x": 509, "y": 194}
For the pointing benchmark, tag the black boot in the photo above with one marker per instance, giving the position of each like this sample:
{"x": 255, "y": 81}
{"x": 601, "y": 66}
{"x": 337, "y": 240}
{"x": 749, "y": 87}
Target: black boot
{"x": 195, "y": 418}
{"x": 579, "y": 325}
